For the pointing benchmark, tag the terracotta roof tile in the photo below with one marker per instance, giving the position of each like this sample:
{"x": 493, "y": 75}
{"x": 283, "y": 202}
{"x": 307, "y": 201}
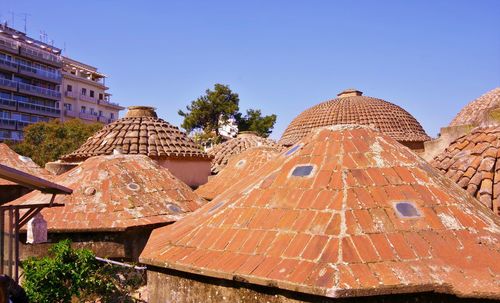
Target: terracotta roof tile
{"x": 388, "y": 118}
{"x": 10, "y": 158}
{"x": 349, "y": 234}
{"x": 479, "y": 112}
{"x": 472, "y": 162}
{"x": 139, "y": 132}
{"x": 112, "y": 193}
{"x": 238, "y": 167}
{"x": 224, "y": 151}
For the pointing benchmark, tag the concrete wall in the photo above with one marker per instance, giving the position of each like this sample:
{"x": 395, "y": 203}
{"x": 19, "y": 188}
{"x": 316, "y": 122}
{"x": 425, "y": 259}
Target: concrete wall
{"x": 192, "y": 172}
{"x": 58, "y": 168}
{"x": 447, "y": 136}
{"x": 166, "y": 285}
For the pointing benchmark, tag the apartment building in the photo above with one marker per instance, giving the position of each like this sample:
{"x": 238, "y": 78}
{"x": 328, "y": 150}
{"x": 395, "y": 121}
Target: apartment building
{"x": 84, "y": 94}
{"x": 30, "y": 79}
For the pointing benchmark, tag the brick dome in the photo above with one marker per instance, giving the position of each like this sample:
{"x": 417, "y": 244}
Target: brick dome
{"x": 238, "y": 167}
{"x": 114, "y": 193}
{"x": 351, "y": 107}
{"x": 347, "y": 212}
{"x": 245, "y": 140}
{"x": 12, "y": 159}
{"x": 483, "y": 110}
{"x": 472, "y": 162}
{"x": 139, "y": 132}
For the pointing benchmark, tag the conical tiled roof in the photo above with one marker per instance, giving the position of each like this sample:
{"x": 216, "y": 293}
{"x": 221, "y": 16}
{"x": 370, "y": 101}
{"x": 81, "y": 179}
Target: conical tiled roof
{"x": 472, "y": 162}
{"x": 113, "y": 193}
{"x": 238, "y": 167}
{"x": 10, "y": 158}
{"x": 245, "y": 140}
{"x": 347, "y": 212}
{"x": 483, "y": 110}
{"x": 139, "y": 132}
{"x": 352, "y": 108}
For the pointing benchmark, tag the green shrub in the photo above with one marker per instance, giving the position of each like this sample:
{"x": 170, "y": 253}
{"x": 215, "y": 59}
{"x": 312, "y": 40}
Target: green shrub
{"x": 70, "y": 274}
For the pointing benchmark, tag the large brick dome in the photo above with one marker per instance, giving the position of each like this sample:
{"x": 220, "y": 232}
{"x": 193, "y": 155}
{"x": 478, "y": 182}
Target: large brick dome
{"x": 351, "y": 107}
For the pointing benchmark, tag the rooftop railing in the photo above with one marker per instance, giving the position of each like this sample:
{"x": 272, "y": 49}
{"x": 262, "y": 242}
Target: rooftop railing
{"x": 9, "y": 45}
{"x": 87, "y": 116}
{"x": 40, "y": 55}
{"x": 70, "y": 94}
{"x": 7, "y": 103}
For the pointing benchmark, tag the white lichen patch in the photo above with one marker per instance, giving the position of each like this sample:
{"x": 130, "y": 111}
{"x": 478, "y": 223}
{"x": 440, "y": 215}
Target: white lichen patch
{"x": 449, "y": 221}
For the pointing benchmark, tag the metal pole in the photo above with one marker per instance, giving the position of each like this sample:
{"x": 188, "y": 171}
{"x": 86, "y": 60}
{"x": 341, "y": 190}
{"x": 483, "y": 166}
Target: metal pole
{"x": 11, "y": 219}
{"x": 2, "y": 242}
{"x": 16, "y": 246}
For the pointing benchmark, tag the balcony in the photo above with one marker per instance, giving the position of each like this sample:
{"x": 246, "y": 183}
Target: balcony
{"x": 38, "y": 109}
{"x": 41, "y": 56}
{"x": 7, "y": 104}
{"x": 89, "y": 117}
{"x": 88, "y": 98}
{"x": 70, "y": 113}
{"x": 69, "y": 94}
{"x": 110, "y": 104}
{"x": 9, "y": 46}
{"x": 8, "y": 84}
{"x": 6, "y": 123}
{"x": 8, "y": 65}
{"x": 39, "y": 91}
{"x": 23, "y": 124}
{"x": 39, "y": 73}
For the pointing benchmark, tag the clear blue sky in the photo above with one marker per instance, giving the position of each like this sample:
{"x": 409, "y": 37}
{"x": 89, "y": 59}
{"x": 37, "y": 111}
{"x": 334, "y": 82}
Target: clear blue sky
{"x": 430, "y": 57}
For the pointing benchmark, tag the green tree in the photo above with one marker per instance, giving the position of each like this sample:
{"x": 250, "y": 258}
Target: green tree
{"x": 47, "y": 141}
{"x": 254, "y": 121}
{"x": 74, "y": 275}
{"x": 206, "y": 112}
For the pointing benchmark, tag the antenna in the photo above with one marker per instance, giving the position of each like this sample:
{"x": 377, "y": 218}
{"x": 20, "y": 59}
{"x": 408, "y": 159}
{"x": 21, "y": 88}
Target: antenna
{"x": 25, "y": 22}
{"x": 12, "y": 17}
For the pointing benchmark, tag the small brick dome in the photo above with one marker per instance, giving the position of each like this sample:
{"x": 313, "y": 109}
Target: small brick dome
{"x": 351, "y": 107}
{"x": 483, "y": 110}
{"x": 139, "y": 132}
{"x": 245, "y": 140}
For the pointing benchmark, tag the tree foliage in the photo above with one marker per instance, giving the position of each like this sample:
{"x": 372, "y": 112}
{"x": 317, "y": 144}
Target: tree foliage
{"x": 205, "y": 112}
{"x": 47, "y": 141}
{"x": 69, "y": 275}
{"x": 254, "y": 121}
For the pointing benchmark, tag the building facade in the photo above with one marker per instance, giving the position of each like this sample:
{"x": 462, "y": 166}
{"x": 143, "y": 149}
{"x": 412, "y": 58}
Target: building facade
{"x": 84, "y": 94}
{"x": 30, "y": 77}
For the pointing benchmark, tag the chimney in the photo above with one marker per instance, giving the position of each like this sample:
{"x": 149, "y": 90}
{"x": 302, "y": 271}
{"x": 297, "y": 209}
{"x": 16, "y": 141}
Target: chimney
{"x": 141, "y": 111}
{"x": 350, "y": 92}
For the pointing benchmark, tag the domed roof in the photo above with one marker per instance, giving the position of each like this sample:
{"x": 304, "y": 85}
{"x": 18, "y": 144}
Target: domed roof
{"x": 12, "y": 159}
{"x": 139, "y": 132}
{"x": 346, "y": 212}
{"x": 472, "y": 162}
{"x": 483, "y": 110}
{"x": 238, "y": 167}
{"x": 113, "y": 193}
{"x": 245, "y": 140}
{"x": 351, "y": 107}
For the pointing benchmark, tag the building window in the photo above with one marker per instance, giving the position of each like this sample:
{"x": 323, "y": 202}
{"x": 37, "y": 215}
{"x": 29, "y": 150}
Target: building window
{"x": 112, "y": 116}
{"x": 101, "y": 96}
{"x": 91, "y": 94}
{"x": 100, "y": 113}
{"x": 92, "y": 111}
{"x": 69, "y": 88}
{"x": 83, "y": 109}
{"x": 84, "y": 91}
{"x": 68, "y": 106}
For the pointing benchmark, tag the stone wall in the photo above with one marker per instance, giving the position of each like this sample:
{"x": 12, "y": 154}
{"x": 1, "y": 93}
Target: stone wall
{"x": 125, "y": 245}
{"x": 447, "y": 136}
{"x": 167, "y": 285}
